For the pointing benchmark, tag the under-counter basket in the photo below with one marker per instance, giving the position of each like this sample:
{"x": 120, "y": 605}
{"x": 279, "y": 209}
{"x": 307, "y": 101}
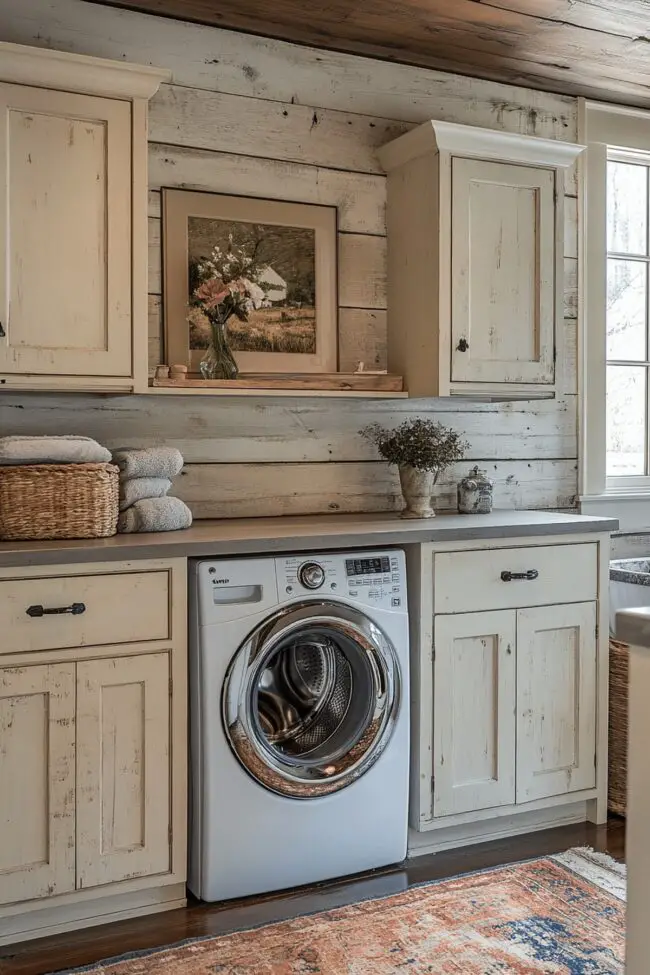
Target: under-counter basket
{"x": 619, "y": 668}
{"x": 58, "y": 501}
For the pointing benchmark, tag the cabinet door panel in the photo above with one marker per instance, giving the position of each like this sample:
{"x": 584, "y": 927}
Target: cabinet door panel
{"x": 65, "y": 233}
{"x": 474, "y": 712}
{"x": 123, "y": 769}
{"x": 556, "y": 700}
{"x": 503, "y": 272}
{"x": 36, "y": 782}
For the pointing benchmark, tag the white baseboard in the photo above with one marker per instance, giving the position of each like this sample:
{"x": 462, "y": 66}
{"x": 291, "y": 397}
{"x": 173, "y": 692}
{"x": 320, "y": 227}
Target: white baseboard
{"x": 53, "y": 919}
{"x": 495, "y": 829}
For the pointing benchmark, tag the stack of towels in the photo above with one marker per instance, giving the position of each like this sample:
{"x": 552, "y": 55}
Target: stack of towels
{"x": 145, "y": 478}
{"x": 20, "y": 451}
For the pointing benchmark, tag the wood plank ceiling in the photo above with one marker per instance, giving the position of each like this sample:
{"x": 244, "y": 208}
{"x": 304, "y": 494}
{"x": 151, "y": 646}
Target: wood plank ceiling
{"x": 599, "y": 48}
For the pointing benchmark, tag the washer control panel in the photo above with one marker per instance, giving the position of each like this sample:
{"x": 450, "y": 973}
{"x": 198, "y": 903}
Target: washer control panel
{"x": 370, "y": 578}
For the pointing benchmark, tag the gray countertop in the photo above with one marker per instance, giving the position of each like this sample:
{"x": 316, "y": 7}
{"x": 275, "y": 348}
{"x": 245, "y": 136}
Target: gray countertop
{"x": 288, "y": 534}
{"x": 634, "y": 571}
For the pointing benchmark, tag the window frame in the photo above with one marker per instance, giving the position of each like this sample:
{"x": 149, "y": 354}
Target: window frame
{"x": 606, "y": 130}
{"x": 631, "y": 482}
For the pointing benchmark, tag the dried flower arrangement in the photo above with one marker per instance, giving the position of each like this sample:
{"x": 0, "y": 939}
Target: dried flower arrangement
{"x": 422, "y": 444}
{"x": 421, "y": 449}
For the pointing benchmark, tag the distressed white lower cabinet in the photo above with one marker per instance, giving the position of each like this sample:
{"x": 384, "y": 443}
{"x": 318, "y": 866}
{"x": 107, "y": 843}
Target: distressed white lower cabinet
{"x": 556, "y": 700}
{"x": 73, "y": 196}
{"x": 37, "y": 781}
{"x": 123, "y": 768}
{"x": 93, "y": 745}
{"x": 509, "y": 687}
{"x": 475, "y": 260}
{"x": 474, "y": 707}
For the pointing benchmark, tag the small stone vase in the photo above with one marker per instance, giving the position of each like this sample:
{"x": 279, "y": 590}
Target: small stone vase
{"x": 417, "y": 488}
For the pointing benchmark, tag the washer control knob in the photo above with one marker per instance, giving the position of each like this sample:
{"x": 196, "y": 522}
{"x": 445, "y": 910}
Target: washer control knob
{"x": 311, "y": 575}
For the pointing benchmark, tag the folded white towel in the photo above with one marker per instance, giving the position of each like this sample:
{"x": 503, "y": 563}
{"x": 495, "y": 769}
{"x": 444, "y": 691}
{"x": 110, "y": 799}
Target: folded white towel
{"x": 155, "y": 515}
{"x": 134, "y": 489}
{"x": 52, "y": 450}
{"x": 148, "y": 461}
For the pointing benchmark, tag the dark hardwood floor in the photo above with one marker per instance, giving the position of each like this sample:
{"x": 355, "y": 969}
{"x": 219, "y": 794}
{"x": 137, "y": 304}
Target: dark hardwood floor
{"x": 94, "y": 944}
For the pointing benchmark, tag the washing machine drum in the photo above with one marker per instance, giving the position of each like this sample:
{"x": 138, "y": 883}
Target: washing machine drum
{"x": 310, "y": 700}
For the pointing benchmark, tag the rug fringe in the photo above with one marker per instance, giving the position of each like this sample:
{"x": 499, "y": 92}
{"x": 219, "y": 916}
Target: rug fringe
{"x": 604, "y": 859}
{"x": 598, "y": 868}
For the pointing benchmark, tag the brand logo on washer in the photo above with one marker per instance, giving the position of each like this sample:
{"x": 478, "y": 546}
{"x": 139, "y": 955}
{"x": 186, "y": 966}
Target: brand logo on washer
{"x": 220, "y": 582}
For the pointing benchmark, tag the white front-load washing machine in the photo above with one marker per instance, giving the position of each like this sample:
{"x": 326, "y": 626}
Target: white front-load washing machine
{"x": 299, "y": 720}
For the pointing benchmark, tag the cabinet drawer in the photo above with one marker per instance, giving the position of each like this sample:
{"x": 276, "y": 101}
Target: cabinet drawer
{"x": 469, "y": 581}
{"x": 119, "y": 607}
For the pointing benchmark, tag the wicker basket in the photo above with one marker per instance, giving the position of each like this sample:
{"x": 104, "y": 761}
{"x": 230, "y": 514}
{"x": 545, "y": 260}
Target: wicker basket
{"x": 619, "y": 660}
{"x": 59, "y": 501}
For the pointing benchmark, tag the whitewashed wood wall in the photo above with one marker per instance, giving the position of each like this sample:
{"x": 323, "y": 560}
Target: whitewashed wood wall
{"x": 251, "y": 116}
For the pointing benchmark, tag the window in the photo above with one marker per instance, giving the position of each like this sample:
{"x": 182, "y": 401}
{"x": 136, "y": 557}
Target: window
{"x": 614, "y": 276}
{"x": 627, "y": 318}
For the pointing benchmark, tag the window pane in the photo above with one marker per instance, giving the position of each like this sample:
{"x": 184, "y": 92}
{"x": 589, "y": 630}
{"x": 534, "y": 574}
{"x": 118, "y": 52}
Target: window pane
{"x": 626, "y": 309}
{"x": 626, "y": 420}
{"x": 626, "y": 208}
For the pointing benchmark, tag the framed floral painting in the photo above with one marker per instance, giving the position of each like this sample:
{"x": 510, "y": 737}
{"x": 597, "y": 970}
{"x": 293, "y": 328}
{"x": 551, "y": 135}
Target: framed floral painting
{"x": 259, "y": 273}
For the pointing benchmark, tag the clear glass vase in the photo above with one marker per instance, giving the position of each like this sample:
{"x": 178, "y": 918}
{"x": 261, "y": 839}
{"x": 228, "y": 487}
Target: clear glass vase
{"x": 218, "y": 361}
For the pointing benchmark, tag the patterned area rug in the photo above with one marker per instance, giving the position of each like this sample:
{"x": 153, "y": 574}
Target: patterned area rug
{"x": 561, "y": 915}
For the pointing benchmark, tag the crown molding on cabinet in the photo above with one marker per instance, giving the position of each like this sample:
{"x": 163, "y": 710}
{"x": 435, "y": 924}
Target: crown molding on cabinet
{"x": 44, "y": 68}
{"x": 469, "y": 140}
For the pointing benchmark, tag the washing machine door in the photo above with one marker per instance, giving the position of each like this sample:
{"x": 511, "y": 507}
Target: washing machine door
{"x": 311, "y": 698}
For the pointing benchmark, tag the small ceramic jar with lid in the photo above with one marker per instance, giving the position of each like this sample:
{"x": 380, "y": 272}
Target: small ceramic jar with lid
{"x": 475, "y": 493}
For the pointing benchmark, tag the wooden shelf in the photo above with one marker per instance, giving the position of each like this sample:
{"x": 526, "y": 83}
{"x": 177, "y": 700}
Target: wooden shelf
{"x": 368, "y": 385}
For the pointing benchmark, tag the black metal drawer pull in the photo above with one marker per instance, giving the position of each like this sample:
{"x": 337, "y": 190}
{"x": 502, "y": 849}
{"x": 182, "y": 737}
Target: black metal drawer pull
{"x": 75, "y": 610}
{"x": 511, "y": 576}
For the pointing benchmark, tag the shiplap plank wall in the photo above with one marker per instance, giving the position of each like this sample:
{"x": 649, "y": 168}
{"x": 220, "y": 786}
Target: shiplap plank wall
{"x": 630, "y": 546}
{"x": 252, "y": 116}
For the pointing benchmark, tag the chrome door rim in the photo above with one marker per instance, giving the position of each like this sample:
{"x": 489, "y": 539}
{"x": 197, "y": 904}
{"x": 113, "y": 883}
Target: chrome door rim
{"x": 276, "y": 772}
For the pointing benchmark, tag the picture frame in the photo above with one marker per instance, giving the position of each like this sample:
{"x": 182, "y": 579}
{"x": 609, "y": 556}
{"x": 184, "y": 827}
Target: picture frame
{"x": 296, "y": 328}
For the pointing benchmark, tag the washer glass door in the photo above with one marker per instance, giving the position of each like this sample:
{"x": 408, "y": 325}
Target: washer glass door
{"x": 310, "y": 700}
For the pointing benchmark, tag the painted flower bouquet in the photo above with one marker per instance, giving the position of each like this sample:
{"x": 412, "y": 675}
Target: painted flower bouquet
{"x": 228, "y": 283}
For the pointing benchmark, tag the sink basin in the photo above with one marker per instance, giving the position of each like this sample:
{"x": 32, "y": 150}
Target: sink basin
{"x": 629, "y": 586}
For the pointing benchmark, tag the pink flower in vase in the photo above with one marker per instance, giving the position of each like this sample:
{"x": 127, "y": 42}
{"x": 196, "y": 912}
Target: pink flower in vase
{"x": 211, "y": 293}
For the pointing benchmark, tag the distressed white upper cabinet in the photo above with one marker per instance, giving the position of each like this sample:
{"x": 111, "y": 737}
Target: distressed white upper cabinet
{"x": 475, "y": 260}
{"x": 73, "y": 193}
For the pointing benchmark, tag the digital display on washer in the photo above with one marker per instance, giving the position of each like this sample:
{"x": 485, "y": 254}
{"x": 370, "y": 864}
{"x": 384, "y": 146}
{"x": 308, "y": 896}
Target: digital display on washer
{"x": 367, "y": 567}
